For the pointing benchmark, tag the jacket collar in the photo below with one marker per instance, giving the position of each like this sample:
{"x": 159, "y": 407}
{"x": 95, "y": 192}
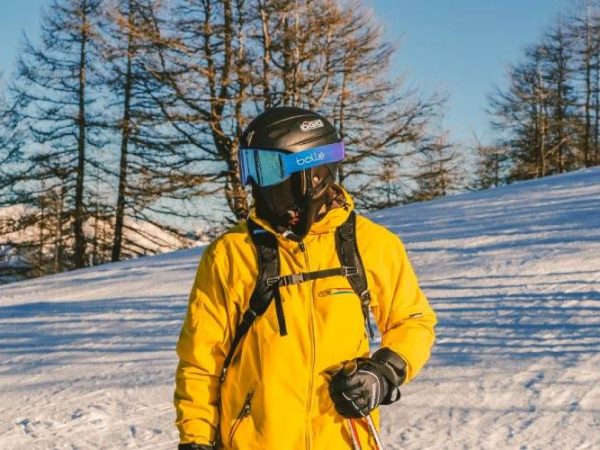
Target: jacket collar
{"x": 332, "y": 220}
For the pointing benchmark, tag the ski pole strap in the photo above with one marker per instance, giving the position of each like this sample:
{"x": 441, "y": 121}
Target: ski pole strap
{"x": 374, "y": 433}
{"x": 353, "y": 434}
{"x": 297, "y": 278}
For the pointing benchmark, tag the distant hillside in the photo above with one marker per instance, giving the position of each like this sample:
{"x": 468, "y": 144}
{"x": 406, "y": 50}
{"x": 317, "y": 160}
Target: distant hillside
{"x": 20, "y": 243}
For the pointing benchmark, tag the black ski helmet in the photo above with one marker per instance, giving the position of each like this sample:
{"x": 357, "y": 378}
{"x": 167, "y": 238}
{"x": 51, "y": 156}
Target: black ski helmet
{"x": 294, "y": 203}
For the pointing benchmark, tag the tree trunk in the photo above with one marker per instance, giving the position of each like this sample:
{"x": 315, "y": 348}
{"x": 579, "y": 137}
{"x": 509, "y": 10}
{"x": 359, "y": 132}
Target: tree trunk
{"x": 587, "y": 61}
{"x": 126, "y": 128}
{"x": 58, "y": 210}
{"x": 597, "y": 106}
{"x": 266, "y": 57}
{"x": 79, "y": 250}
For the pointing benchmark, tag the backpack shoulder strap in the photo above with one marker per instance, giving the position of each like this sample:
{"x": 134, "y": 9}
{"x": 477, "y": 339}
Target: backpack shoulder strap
{"x": 268, "y": 267}
{"x": 347, "y": 249}
{"x": 264, "y": 292}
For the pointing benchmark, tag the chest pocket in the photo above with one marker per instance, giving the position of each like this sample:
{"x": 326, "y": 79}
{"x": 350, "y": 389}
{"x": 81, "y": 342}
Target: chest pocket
{"x": 338, "y": 308}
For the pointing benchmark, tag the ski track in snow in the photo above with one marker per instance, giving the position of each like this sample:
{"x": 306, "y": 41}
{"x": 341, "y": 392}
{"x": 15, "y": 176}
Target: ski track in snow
{"x": 87, "y": 357}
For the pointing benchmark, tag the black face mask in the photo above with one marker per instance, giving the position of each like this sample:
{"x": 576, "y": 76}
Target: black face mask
{"x": 289, "y": 205}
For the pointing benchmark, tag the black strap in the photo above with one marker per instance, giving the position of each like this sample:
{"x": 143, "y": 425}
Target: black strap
{"x": 297, "y": 278}
{"x": 347, "y": 248}
{"x": 268, "y": 268}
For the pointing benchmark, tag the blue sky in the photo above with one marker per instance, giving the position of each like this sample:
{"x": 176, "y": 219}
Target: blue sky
{"x": 463, "y": 47}
{"x": 460, "y": 46}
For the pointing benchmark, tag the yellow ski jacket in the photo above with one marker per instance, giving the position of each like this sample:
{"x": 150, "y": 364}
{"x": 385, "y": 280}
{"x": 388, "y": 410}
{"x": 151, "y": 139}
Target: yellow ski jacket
{"x": 275, "y": 394}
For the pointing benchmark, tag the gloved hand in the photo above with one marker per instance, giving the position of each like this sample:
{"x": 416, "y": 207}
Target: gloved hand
{"x": 359, "y": 386}
{"x": 195, "y": 447}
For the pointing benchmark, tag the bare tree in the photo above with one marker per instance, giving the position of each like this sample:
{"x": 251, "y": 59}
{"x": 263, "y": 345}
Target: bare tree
{"x": 130, "y": 111}
{"x": 143, "y": 156}
{"x": 491, "y": 165}
{"x": 558, "y": 72}
{"x": 51, "y": 91}
{"x": 322, "y": 56}
{"x": 549, "y": 116}
{"x": 390, "y": 186}
{"x": 584, "y": 28}
{"x": 439, "y": 171}
{"x": 522, "y": 116}
{"x": 12, "y": 138}
{"x": 228, "y": 60}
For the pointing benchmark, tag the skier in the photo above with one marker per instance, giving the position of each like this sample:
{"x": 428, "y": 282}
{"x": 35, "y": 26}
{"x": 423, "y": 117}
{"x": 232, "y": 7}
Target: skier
{"x": 274, "y": 349}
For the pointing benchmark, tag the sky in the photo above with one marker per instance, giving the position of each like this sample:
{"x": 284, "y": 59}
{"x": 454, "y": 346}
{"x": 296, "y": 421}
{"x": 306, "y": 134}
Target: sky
{"x": 461, "y": 47}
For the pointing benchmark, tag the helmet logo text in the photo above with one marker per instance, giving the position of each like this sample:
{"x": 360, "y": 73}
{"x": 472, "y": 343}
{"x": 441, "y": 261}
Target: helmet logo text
{"x": 308, "y": 125}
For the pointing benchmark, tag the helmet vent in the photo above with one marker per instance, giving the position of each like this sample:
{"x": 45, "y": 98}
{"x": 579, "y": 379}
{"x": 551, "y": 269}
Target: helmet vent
{"x": 278, "y": 132}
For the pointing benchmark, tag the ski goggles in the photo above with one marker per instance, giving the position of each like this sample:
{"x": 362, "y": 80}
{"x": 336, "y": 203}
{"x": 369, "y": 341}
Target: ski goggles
{"x": 269, "y": 167}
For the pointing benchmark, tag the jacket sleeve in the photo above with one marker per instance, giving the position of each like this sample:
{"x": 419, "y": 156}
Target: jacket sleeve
{"x": 404, "y": 316}
{"x": 202, "y": 347}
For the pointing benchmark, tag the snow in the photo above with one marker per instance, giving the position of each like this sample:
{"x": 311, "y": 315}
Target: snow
{"x": 87, "y": 357}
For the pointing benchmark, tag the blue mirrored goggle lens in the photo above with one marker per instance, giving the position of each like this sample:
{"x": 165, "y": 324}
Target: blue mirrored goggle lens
{"x": 264, "y": 167}
{"x": 268, "y": 167}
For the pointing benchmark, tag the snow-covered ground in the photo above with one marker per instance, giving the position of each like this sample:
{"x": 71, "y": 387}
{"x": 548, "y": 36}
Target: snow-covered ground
{"x": 87, "y": 358}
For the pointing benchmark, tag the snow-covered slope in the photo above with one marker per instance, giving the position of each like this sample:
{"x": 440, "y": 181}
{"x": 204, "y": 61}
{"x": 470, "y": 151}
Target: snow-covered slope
{"x": 87, "y": 360}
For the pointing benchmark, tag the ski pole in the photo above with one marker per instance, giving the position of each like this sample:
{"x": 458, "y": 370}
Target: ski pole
{"x": 374, "y": 432}
{"x": 353, "y": 434}
{"x": 348, "y": 369}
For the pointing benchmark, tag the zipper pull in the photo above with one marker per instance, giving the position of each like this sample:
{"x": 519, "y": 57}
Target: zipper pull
{"x": 246, "y": 408}
{"x": 302, "y": 246}
{"x": 326, "y": 292}
{"x": 244, "y": 412}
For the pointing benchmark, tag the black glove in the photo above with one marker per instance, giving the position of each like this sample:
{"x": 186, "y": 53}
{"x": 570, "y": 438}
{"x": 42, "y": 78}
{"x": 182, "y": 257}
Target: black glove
{"x": 359, "y": 386}
{"x": 195, "y": 447}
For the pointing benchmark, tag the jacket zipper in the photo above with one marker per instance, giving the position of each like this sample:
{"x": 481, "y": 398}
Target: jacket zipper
{"x": 313, "y": 351}
{"x": 335, "y": 291}
{"x": 244, "y": 412}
